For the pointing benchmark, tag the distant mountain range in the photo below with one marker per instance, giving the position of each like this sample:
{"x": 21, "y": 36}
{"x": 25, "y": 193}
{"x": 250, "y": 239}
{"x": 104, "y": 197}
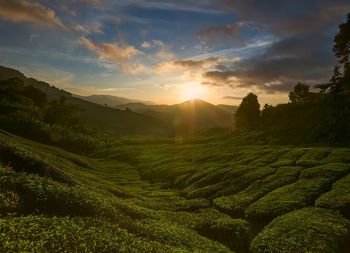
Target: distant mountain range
{"x": 187, "y": 117}
{"x": 111, "y": 101}
{"x": 125, "y": 116}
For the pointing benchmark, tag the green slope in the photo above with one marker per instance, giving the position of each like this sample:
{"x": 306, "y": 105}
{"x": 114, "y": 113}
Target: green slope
{"x": 165, "y": 195}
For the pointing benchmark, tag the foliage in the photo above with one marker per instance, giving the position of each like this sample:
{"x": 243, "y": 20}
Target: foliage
{"x": 299, "y": 93}
{"x": 248, "y": 112}
{"x": 313, "y": 230}
{"x": 36, "y": 234}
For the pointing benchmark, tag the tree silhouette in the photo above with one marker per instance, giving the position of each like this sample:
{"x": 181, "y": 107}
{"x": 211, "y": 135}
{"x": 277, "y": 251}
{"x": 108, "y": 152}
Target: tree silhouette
{"x": 299, "y": 92}
{"x": 341, "y": 49}
{"x": 266, "y": 110}
{"x": 248, "y": 112}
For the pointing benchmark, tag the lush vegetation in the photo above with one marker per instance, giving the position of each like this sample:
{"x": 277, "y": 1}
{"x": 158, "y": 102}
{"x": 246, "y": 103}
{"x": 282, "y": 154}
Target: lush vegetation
{"x": 73, "y": 189}
{"x": 207, "y": 195}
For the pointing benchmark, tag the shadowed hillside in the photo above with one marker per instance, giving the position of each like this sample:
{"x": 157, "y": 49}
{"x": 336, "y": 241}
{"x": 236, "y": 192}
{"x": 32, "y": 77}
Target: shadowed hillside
{"x": 110, "y": 101}
{"x": 97, "y": 116}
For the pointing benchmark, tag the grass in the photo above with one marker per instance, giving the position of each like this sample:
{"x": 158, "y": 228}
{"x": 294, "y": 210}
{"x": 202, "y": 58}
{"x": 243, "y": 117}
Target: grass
{"x": 162, "y": 195}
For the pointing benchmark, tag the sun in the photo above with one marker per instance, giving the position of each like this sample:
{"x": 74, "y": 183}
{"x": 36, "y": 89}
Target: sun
{"x": 193, "y": 91}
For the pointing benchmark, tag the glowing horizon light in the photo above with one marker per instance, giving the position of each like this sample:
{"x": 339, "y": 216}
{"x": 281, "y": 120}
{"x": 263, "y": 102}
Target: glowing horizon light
{"x": 193, "y": 91}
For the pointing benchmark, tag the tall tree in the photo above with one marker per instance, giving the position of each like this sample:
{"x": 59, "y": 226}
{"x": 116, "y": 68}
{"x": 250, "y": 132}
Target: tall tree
{"x": 248, "y": 112}
{"x": 341, "y": 49}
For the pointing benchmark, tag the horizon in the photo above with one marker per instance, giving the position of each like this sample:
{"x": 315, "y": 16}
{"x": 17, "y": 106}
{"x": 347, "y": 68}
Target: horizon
{"x": 166, "y": 52}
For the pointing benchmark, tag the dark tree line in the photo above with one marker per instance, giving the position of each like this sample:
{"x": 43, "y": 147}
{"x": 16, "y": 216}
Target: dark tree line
{"x": 334, "y": 95}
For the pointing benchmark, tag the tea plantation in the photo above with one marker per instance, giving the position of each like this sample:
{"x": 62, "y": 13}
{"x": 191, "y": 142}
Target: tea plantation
{"x": 174, "y": 195}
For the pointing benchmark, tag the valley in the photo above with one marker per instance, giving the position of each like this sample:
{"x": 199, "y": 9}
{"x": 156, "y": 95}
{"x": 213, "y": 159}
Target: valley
{"x": 169, "y": 196}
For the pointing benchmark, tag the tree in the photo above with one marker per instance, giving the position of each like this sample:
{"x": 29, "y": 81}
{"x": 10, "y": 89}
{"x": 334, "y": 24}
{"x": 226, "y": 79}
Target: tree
{"x": 341, "y": 49}
{"x": 323, "y": 87}
{"x": 248, "y": 112}
{"x": 341, "y": 46}
{"x": 61, "y": 113}
{"x": 266, "y": 110}
{"x": 336, "y": 80}
{"x": 299, "y": 92}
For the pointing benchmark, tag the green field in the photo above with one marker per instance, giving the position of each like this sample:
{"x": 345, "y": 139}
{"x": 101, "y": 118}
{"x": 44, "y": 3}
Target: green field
{"x": 173, "y": 195}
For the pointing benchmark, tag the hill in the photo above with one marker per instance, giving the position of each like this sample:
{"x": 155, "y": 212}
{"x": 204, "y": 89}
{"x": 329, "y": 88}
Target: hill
{"x": 153, "y": 195}
{"x": 110, "y": 101}
{"x": 97, "y": 116}
{"x": 188, "y": 117}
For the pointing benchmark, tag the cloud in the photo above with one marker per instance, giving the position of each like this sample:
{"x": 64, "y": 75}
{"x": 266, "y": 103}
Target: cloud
{"x": 25, "y": 11}
{"x": 152, "y": 44}
{"x": 164, "y": 52}
{"x": 78, "y": 28}
{"x": 276, "y": 70}
{"x": 229, "y": 31}
{"x": 232, "y": 97}
{"x": 292, "y": 16}
{"x": 146, "y": 44}
{"x": 97, "y": 3}
{"x": 118, "y": 53}
{"x": 92, "y": 28}
{"x": 302, "y": 32}
{"x": 194, "y": 65}
{"x": 163, "y": 86}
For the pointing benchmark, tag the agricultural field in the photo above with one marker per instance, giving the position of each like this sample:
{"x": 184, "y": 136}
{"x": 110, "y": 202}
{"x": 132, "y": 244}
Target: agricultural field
{"x": 173, "y": 195}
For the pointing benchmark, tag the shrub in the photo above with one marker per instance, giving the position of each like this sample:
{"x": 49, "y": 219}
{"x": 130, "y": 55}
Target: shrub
{"x": 23, "y": 160}
{"x": 236, "y": 204}
{"x": 312, "y": 230}
{"x": 63, "y": 234}
{"x": 338, "y": 198}
{"x": 302, "y": 193}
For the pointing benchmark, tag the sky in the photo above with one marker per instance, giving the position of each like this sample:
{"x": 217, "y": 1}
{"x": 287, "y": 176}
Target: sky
{"x": 169, "y": 51}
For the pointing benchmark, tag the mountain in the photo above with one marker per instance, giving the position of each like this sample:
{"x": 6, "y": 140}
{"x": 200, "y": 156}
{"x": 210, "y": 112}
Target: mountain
{"x": 104, "y": 112}
{"x": 96, "y": 116}
{"x": 229, "y": 108}
{"x": 111, "y": 101}
{"x": 187, "y": 117}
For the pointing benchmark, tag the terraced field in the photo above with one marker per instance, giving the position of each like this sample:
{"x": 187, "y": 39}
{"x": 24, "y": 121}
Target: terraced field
{"x": 149, "y": 195}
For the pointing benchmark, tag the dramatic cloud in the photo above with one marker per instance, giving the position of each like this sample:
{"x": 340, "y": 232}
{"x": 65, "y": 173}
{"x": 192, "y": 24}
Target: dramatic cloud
{"x": 230, "y": 32}
{"x": 273, "y": 72}
{"x": 25, "y": 11}
{"x": 302, "y": 51}
{"x": 286, "y": 17}
{"x": 194, "y": 65}
{"x": 117, "y": 53}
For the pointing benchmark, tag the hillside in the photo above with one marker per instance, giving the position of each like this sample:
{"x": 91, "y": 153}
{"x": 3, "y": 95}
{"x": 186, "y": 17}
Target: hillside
{"x": 187, "y": 117}
{"x": 97, "y": 116}
{"x": 111, "y": 101}
{"x": 152, "y": 195}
